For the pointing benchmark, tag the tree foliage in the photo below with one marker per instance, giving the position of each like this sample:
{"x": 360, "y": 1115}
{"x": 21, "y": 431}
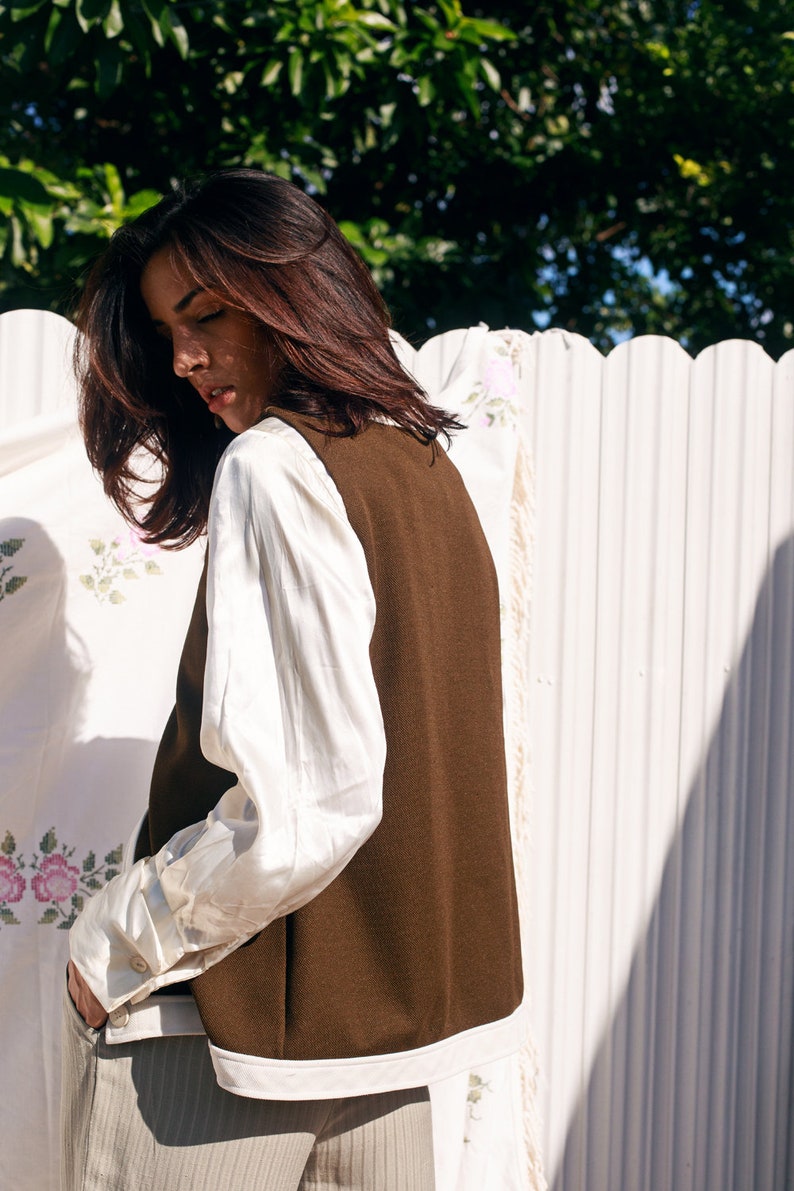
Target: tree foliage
{"x": 612, "y": 167}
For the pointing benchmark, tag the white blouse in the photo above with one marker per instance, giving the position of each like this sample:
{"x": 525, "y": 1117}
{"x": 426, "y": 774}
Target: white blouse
{"x": 290, "y": 707}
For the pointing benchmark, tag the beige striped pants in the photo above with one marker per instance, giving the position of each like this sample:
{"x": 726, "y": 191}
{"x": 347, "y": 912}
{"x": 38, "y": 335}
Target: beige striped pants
{"x": 149, "y": 1115}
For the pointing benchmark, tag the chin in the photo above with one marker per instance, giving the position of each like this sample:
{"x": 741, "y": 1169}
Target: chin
{"x": 231, "y": 423}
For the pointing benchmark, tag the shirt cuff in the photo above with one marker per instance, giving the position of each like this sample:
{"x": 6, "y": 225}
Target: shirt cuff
{"x": 126, "y": 943}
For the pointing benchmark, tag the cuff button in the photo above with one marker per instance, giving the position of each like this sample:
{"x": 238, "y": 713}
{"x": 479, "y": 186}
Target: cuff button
{"x": 139, "y": 964}
{"x": 119, "y": 1017}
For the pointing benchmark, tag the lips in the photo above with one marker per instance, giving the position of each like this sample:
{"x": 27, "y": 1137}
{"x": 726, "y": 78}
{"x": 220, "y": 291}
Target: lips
{"x": 218, "y": 397}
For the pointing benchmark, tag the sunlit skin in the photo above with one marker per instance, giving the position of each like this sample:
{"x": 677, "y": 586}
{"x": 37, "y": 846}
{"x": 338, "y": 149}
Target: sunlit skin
{"x": 224, "y": 353}
{"x": 90, "y": 1009}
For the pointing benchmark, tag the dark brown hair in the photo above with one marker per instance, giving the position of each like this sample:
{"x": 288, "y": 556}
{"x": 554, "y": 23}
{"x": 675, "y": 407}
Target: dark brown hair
{"x": 262, "y": 246}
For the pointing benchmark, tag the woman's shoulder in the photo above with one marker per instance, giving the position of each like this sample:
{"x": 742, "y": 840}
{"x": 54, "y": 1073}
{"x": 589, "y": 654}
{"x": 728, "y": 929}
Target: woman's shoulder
{"x": 272, "y": 457}
{"x": 269, "y": 439}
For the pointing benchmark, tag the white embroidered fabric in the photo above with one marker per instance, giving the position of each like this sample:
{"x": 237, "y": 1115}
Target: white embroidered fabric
{"x": 92, "y": 623}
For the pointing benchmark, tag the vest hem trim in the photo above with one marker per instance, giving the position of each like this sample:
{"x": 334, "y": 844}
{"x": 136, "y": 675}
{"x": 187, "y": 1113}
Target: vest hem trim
{"x": 320, "y": 1079}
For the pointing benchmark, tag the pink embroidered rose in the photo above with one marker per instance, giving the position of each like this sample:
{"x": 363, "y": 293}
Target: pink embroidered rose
{"x": 12, "y": 883}
{"x": 499, "y": 379}
{"x": 133, "y": 545}
{"x": 56, "y": 880}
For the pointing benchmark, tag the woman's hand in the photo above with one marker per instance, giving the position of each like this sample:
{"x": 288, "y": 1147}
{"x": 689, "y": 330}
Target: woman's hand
{"x": 90, "y": 1009}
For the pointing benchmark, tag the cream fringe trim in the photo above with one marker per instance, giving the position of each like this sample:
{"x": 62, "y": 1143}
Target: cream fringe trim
{"x": 517, "y": 637}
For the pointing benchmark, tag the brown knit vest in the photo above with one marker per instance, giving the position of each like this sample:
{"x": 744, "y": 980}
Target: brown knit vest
{"x": 417, "y": 939}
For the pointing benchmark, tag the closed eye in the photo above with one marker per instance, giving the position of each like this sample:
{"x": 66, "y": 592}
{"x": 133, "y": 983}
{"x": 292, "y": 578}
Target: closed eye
{"x": 207, "y": 318}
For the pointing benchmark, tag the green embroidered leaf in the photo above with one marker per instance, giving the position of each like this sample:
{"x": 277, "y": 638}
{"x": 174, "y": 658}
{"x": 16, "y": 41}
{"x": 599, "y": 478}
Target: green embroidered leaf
{"x": 9, "y": 844}
{"x": 92, "y": 883}
{"x": 115, "y": 856}
{"x": 87, "y": 581}
{"x": 49, "y": 916}
{"x": 111, "y": 873}
{"x": 9, "y": 548}
{"x": 49, "y": 842}
{"x": 77, "y": 901}
{"x": 67, "y": 923}
{"x": 98, "y": 546}
{"x": 89, "y": 863}
{"x": 152, "y": 568}
{"x": 7, "y": 917}
{"x": 104, "y": 583}
{"x": 14, "y": 583}
{"x": 130, "y": 573}
{"x": 116, "y": 597}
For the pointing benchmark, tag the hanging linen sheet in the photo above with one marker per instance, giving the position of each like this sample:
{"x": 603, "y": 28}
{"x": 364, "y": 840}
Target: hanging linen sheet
{"x": 91, "y": 625}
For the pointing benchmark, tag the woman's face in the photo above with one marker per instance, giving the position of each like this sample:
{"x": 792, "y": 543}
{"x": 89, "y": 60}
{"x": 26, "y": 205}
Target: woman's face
{"x": 224, "y": 353}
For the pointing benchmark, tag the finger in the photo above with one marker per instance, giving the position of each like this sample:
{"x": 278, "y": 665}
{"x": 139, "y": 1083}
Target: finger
{"x": 87, "y": 1005}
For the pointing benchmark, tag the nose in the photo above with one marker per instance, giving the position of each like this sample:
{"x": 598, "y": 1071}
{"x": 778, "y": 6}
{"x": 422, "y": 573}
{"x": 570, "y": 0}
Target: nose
{"x": 189, "y": 353}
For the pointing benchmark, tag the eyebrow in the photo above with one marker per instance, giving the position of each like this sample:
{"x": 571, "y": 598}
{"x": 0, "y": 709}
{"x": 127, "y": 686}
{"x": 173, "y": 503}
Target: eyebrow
{"x": 182, "y": 304}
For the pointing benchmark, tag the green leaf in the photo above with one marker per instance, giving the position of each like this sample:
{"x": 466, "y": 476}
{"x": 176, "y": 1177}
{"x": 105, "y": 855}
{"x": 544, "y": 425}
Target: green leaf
{"x": 97, "y": 545}
{"x": 427, "y": 20}
{"x": 23, "y": 187}
{"x": 141, "y": 201}
{"x": 19, "y": 11}
{"x": 157, "y": 31}
{"x": 491, "y": 30}
{"x": 116, "y": 597}
{"x": 178, "y": 35}
{"x": 233, "y": 81}
{"x": 115, "y": 189}
{"x": 19, "y": 257}
{"x": 50, "y": 915}
{"x": 14, "y": 583}
{"x": 115, "y": 856}
{"x": 151, "y": 567}
{"x": 7, "y": 916}
{"x": 41, "y": 224}
{"x": 374, "y": 20}
{"x": 451, "y": 10}
{"x": 426, "y": 91}
{"x": 295, "y": 71}
{"x": 114, "y": 21}
{"x": 87, "y": 581}
{"x": 62, "y": 37}
{"x": 49, "y": 842}
{"x": 90, "y": 12}
{"x": 9, "y": 548}
{"x": 271, "y": 72}
{"x": 9, "y": 845}
{"x": 154, "y": 9}
{"x": 491, "y": 75}
{"x": 89, "y": 864}
{"x": 109, "y": 70}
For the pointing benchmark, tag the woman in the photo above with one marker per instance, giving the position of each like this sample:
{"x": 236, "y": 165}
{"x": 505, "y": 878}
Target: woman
{"x": 326, "y": 857}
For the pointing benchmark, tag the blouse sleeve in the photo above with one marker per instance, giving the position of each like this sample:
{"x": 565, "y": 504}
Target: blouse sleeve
{"x": 290, "y": 707}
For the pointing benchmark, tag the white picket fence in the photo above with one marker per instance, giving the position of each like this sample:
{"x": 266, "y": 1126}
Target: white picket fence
{"x": 661, "y": 871}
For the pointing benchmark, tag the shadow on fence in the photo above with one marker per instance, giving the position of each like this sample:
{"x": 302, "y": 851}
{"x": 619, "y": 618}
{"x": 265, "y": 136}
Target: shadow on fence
{"x": 692, "y": 1087}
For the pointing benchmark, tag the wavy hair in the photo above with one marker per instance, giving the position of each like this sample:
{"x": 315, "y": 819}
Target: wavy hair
{"x": 261, "y": 246}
